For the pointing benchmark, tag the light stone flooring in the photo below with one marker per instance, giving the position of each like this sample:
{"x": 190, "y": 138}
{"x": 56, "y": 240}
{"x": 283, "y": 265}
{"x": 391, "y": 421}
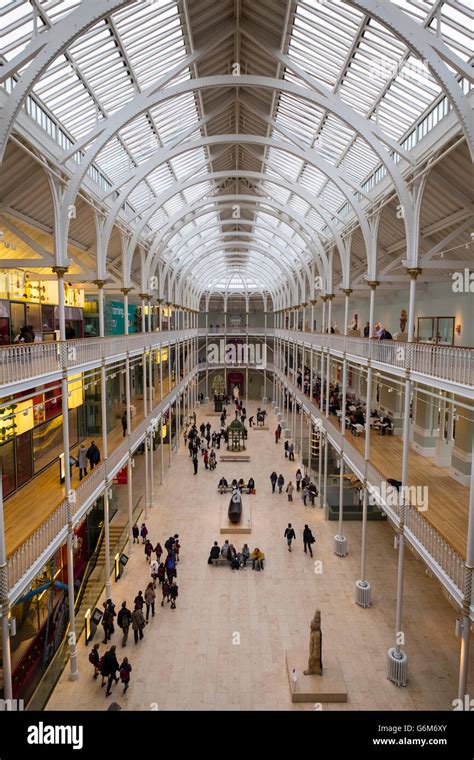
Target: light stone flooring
{"x": 191, "y": 657}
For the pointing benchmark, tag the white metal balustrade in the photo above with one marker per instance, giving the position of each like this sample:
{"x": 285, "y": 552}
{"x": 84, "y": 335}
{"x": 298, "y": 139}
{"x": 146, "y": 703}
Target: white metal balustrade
{"x": 450, "y": 363}
{"x": 36, "y": 360}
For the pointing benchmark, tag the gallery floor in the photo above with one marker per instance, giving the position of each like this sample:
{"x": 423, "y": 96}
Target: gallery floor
{"x": 192, "y": 658}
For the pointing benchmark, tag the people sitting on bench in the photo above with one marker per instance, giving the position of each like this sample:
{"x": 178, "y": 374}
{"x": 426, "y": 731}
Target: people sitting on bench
{"x": 233, "y": 557}
{"x": 234, "y": 483}
{"x": 225, "y": 548}
{"x": 215, "y": 553}
{"x": 223, "y": 485}
{"x": 241, "y": 484}
{"x": 385, "y": 425}
{"x": 257, "y": 558}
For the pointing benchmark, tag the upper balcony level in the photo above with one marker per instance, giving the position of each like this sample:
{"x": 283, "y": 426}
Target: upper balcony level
{"x": 20, "y": 364}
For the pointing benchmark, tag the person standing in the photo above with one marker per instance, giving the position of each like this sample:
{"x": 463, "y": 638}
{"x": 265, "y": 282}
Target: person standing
{"x": 173, "y": 594}
{"x": 158, "y": 551}
{"x": 195, "y": 462}
{"x": 286, "y": 447}
{"x": 154, "y": 571}
{"x": 82, "y": 461}
{"x": 161, "y": 573}
{"x": 124, "y": 423}
{"x": 148, "y": 550}
{"x": 107, "y": 622}
{"x": 289, "y": 535}
{"x": 289, "y": 491}
{"x": 139, "y": 600}
{"x": 135, "y": 534}
{"x": 308, "y": 539}
{"x": 170, "y": 565}
{"x": 94, "y": 659}
{"x": 281, "y": 482}
{"x": 273, "y": 478}
{"x": 150, "y": 596}
{"x": 111, "y": 667}
{"x": 298, "y": 478}
{"x": 206, "y": 459}
{"x": 125, "y": 670}
{"x": 138, "y": 623}
{"x": 93, "y": 455}
{"x": 277, "y": 437}
{"x": 124, "y": 618}
{"x": 165, "y": 590}
{"x": 144, "y": 533}
{"x": 291, "y": 452}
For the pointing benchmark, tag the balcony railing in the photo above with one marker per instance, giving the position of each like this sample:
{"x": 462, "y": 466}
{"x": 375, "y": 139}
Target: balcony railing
{"x": 444, "y": 362}
{"x": 22, "y": 362}
{"x": 202, "y": 332}
{"x": 34, "y": 552}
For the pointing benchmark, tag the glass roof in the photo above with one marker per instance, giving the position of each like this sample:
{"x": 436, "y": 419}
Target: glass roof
{"x": 348, "y": 55}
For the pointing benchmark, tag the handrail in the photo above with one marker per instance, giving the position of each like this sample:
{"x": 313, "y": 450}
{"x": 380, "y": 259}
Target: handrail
{"x": 26, "y": 361}
{"x": 452, "y": 363}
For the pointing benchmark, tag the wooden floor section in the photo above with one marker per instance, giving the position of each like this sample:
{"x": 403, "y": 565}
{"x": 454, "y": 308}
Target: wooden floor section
{"x": 29, "y": 507}
{"x": 448, "y": 500}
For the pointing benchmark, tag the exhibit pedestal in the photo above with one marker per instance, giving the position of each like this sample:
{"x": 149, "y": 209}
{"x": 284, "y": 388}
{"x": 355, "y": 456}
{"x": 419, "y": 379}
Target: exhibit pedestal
{"x": 245, "y": 523}
{"x": 330, "y": 687}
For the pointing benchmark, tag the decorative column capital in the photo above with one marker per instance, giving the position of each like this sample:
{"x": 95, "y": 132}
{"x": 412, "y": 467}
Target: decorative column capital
{"x": 304, "y": 305}
{"x": 60, "y": 271}
{"x": 100, "y": 283}
{"x": 324, "y": 299}
{"x": 313, "y": 301}
{"x": 143, "y": 296}
{"x": 373, "y": 284}
{"x": 347, "y": 291}
{"x": 126, "y": 291}
{"x": 414, "y": 272}
{"x": 330, "y": 296}
{"x": 159, "y": 301}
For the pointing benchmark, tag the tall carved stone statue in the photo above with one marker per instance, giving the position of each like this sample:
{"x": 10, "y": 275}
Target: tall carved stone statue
{"x": 315, "y": 660}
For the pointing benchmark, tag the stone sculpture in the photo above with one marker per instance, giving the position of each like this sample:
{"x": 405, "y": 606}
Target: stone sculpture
{"x": 315, "y": 660}
{"x": 235, "y": 507}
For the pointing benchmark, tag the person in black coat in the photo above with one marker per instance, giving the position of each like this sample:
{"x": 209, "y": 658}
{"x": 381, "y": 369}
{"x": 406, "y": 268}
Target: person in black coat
{"x": 93, "y": 455}
{"x": 289, "y": 535}
{"x": 273, "y": 478}
{"x": 124, "y": 619}
{"x": 215, "y": 553}
{"x": 308, "y": 539}
{"x": 109, "y": 669}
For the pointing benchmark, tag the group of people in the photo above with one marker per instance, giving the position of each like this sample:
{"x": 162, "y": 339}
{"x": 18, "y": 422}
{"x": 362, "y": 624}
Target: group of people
{"x": 308, "y": 538}
{"x": 304, "y": 485}
{"x": 237, "y": 559}
{"x": 26, "y": 335}
{"x": 204, "y": 444}
{"x": 164, "y": 572}
{"x": 223, "y": 485}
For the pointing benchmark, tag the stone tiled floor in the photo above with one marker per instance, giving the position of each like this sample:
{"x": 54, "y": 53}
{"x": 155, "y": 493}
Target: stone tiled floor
{"x": 190, "y": 658}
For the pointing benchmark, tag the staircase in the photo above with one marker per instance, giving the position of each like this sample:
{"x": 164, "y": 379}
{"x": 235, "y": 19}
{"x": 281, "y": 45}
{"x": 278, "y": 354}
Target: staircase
{"x": 96, "y": 580}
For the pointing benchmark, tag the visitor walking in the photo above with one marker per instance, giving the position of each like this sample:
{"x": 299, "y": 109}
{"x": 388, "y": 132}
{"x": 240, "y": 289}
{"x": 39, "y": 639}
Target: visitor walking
{"x": 148, "y": 550}
{"x": 107, "y": 622}
{"x": 298, "y": 478}
{"x": 308, "y": 539}
{"x": 195, "y": 462}
{"x": 286, "y": 447}
{"x": 125, "y": 670}
{"x": 291, "y": 452}
{"x": 173, "y": 594}
{"x": 136, "y": 534}
{"x": 138, "y": 623}
{"x": 289, "y": 491}
{"x": 158, "y": 551}
{"x": 82, "y": 460}
{"x": 144, "y": 533}
{"x": 289, "y": 535}
{"x": 93, "y": 455}
{"x": 109, "y": 669}
{"x": 124, "y": 423}
{"x": 94, "y": 659}
{"x": 281, "y": 482}
{"x": 139, "y": 600}
{"x": 161, "y": 573}
{"x": 124, "y": 619}
{"x": 165, "y": 590}
{"x": 273, "y": 479}
{"x": 150, "y": 597}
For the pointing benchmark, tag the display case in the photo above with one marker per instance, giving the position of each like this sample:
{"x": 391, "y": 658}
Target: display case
{"x": 438, "y": 330}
